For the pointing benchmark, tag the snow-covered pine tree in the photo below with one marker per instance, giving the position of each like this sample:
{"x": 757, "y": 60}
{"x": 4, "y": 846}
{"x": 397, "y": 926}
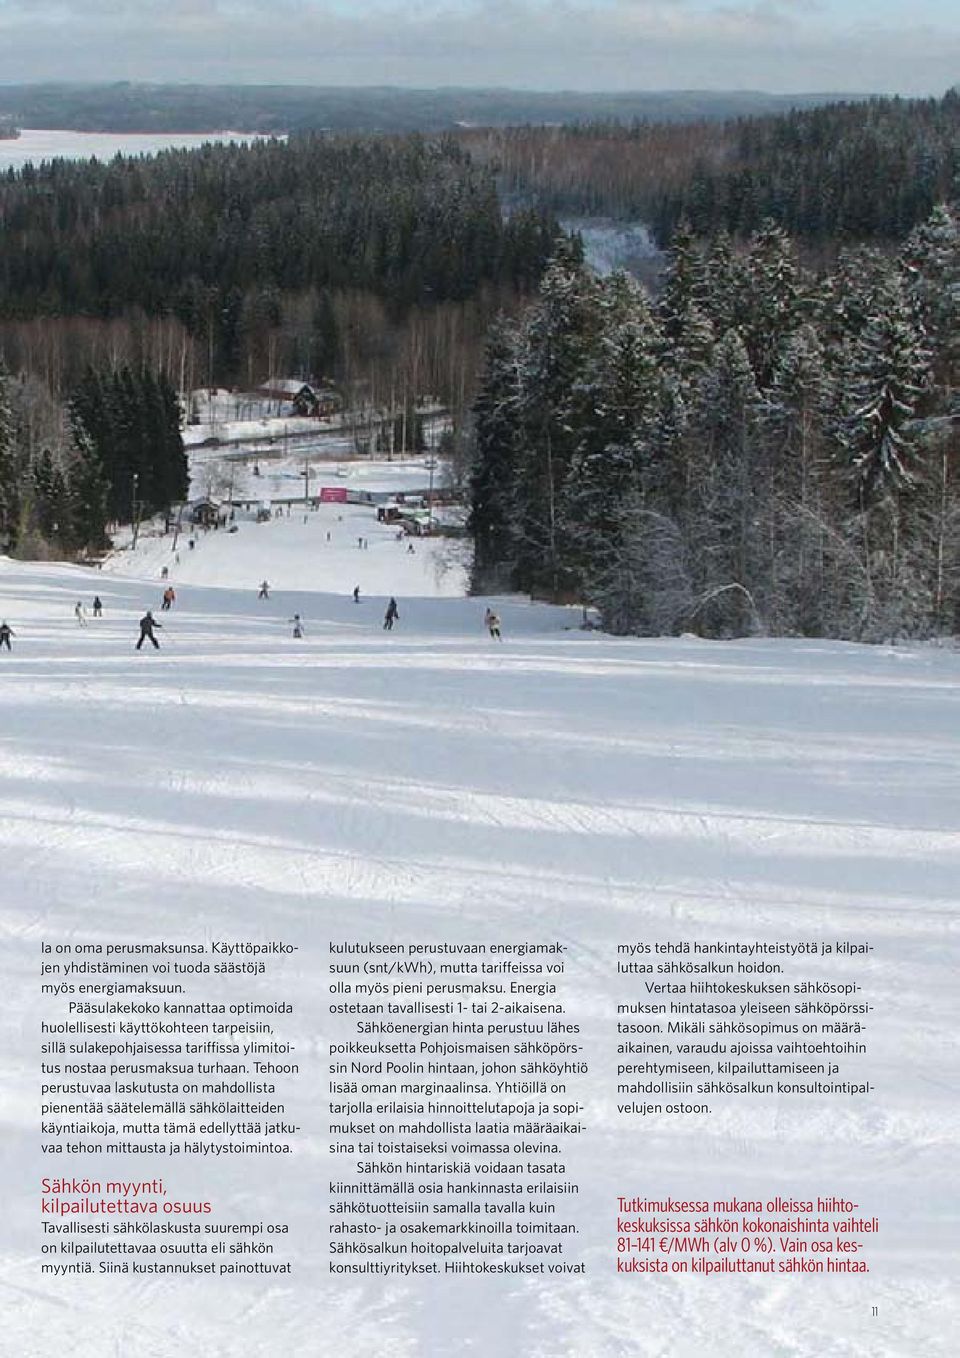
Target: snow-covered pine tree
{"x": 9, "y": 476}
{"x": 89, "y": 491}
{"x": 796, "y": 416}
{"x": 890, "y": 372}
{"x": 930, "y": 261}
{"x": 497, "y": 426}
{"x": 559, "y": 333}
{"x": 844, "y": 300}
{"x": 685, "y": 284}
{"x": 721, "y": 283}
{"x": 769, "y": 297}
{"x": 722, "y": 518}
{"x": 692, "y": 350}
{"x": 640, "y": 581}
{"x": 615, "y": 406}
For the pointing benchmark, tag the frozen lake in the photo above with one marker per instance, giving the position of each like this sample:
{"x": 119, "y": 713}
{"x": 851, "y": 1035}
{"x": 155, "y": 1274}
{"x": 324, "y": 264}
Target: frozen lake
{"x": 38, "y": 144}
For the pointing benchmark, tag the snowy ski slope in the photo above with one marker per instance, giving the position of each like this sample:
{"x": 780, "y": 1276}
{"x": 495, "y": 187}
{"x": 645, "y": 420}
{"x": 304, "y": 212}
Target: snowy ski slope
{"x": 430, "y": 784}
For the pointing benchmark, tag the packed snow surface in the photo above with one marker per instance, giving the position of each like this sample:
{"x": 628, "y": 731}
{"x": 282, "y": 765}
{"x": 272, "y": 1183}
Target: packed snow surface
{"x": 331, "y": 549}
{"x": 431, "y": 784}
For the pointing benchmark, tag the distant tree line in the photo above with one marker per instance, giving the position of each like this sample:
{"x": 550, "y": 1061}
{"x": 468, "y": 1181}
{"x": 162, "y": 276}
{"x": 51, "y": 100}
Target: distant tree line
{"x": 218, "y": 236}
{"x": 124, "y": 106}
{"x": 761, "y": 449}
{"x": 374, "y": 263}
{"x": 844, "y": 172}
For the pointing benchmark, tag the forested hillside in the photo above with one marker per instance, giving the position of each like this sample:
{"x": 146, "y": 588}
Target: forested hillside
{"x": 848, "y": 171}
{"x": 237, "y": 241}
{"x": 125, "y": 106}
{"x": 761, "y": 449}
{"x": 112, "y": 453}
{"x": 373, "y": 263}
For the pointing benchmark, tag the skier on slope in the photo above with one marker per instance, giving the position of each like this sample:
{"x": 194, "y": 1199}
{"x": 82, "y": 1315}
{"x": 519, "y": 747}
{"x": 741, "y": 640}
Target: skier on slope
{"x": 6, "y": 632}
{"x": 169, "y": 598}
{"x": 297, "y": 626}
{"x": 97, "y": 606}
{"x": 147, "y": 623}
{"x": 80, "y": 615}
{"x": 492, "y": 623}
{"x": 356, "y": 594}
{"x": 264, "y": 590}
{"x": 391, "y": 616}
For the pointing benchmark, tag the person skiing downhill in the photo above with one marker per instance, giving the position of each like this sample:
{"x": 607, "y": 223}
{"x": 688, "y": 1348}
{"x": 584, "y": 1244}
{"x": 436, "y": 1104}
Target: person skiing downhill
{"x": 79, "y": 614}
{"x": 147, "y": 623}
{"x": 264, "y": 590}
{"x": 297, "y": 626}
{"x": 97, "y": 606}
{"x": 169, "y": 598}
{"x": 356, "y": 594}
{"x": 391, "y": 615}
{"x": 492, "y": 623}
{"x": 6, "y": 632}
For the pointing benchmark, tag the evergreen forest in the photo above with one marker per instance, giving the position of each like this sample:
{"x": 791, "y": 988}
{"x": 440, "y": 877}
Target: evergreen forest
{"x": 765, "y": 442}
{"x": 375, "y": 264}
{"x": 760, "y": 450}
{"x": 832, "y": 175}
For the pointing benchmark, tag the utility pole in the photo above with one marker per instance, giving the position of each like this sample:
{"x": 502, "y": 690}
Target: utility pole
{"x": 134, "y": 512}
{"x": 306, "y": 484}
{"x": 177, "y": 528}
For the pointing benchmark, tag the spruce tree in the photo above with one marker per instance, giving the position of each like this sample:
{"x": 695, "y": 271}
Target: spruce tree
{"x": 725, "y": 485}
{"x": 559, "y": 331}
{"x": 890, "y": 374}
{"x": 769, "y": 298}
{"x": 89, "y": 491}
{"x": 497, "y": 424}
{"x": 615, "y": 405}
{"x": 796, "y": 414}
{"x": 685, "y": 285}
{"x": 9, "y": 472}
{"x": 930, "y": 261}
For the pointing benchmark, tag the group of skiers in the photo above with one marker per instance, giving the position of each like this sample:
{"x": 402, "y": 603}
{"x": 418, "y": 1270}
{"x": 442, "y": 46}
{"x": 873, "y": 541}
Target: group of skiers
{"x": 490, "y": 619}
{"x": 149, "y": 625}
{"x": 389, "y": 618}
{"x": 80, "y": 613}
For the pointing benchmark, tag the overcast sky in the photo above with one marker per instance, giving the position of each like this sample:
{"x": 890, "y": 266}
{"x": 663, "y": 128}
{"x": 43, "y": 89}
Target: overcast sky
{"x": 780, "y": 45}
